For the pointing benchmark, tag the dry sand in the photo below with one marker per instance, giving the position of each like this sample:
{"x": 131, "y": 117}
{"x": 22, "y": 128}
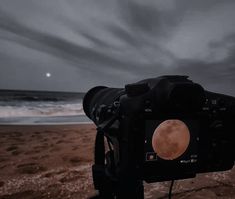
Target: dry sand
{"x": 53, "y": 162}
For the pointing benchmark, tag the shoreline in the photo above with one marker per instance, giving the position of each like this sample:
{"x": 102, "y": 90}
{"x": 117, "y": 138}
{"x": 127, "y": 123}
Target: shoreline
{"x": 45, "y": 124}
{"x": 46, "y": 120}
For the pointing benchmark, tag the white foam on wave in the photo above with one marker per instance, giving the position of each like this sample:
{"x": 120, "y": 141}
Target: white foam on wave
{"x": 41, "y": 110}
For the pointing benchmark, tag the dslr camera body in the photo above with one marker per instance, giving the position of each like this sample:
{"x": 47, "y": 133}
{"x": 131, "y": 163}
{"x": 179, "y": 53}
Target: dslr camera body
{"x": 158, "y": 129}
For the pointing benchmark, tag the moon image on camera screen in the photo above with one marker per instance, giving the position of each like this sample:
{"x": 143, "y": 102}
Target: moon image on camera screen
{"x": 171, "y": 139}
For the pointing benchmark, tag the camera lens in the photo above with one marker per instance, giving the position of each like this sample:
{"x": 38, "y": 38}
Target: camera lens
{"x": 170, "y": 139}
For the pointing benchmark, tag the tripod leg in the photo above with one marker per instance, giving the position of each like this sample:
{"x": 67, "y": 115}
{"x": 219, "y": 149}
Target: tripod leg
{"x": 103, "y": 195}
{"x": 131, "y": 190}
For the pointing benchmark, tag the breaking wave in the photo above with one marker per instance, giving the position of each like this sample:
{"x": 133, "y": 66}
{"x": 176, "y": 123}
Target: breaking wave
{"x": 40, "y": 109}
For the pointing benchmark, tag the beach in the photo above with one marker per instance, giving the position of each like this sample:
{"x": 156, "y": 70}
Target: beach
{"x": 46, "y": 161}
{"x": 54, "y": 161}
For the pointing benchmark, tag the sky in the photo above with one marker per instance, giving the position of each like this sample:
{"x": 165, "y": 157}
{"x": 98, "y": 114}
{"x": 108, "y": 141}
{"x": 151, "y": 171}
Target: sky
{"x": 73, "y": 45}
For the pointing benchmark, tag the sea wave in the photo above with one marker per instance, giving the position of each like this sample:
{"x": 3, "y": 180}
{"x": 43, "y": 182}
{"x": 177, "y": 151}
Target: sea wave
{"x": 41, "y": 109}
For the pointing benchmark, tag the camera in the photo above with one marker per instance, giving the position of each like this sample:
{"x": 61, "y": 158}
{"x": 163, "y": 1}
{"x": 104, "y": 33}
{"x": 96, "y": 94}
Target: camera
{"x": 158, "y": 129}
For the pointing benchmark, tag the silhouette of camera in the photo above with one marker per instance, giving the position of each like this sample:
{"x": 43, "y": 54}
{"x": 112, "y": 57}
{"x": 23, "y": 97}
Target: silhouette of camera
{"x": 158, "y": 129}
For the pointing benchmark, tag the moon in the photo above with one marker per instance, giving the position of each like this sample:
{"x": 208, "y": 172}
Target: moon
{"x": 171, "y": 139}
{"x": 48, "y": 74}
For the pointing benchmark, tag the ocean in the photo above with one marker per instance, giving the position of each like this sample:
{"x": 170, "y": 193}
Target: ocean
{"x": 41, "y": 108}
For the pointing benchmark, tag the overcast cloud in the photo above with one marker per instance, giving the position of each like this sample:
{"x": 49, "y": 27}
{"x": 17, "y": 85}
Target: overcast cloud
{"x": 84, "y": 43}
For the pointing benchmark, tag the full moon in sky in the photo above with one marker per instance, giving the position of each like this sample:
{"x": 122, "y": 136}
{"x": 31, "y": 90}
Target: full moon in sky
{"x": 171, "y": 139}
{"x": 48, "y": 74}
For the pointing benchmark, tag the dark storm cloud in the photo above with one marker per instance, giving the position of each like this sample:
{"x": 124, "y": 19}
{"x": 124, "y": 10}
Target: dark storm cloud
{"x": 84, "y": 43}
{"x": 148, "y": 18}
{"x": 49, "y": 43}
{"x": 219, "y": 76}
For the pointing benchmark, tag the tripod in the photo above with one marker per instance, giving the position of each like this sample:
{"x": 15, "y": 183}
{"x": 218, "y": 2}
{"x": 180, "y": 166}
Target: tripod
{"x": 128, "y": 185}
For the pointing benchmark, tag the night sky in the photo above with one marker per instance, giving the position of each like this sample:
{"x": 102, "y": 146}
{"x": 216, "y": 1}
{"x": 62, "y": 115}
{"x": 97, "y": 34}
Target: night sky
{"x": 72, "y": 45}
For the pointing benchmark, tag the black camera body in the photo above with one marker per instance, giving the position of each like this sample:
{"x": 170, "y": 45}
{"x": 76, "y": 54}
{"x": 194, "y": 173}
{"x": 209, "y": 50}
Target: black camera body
{"x": 132, "y": 119}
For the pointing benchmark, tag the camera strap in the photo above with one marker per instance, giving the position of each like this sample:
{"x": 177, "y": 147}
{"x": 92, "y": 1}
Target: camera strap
{"x": 98, "y": 169}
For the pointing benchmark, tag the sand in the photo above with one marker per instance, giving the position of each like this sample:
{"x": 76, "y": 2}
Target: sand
{"x": 46, "y": 161}
{"x": 53, "y": 162}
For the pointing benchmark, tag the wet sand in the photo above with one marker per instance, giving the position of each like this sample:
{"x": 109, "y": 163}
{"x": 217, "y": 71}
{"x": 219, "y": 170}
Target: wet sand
{"x": 53, "y": 162}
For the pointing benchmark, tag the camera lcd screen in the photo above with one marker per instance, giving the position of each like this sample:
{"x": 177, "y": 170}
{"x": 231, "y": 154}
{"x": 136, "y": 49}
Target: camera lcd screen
{"x": 171, "y": 140}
